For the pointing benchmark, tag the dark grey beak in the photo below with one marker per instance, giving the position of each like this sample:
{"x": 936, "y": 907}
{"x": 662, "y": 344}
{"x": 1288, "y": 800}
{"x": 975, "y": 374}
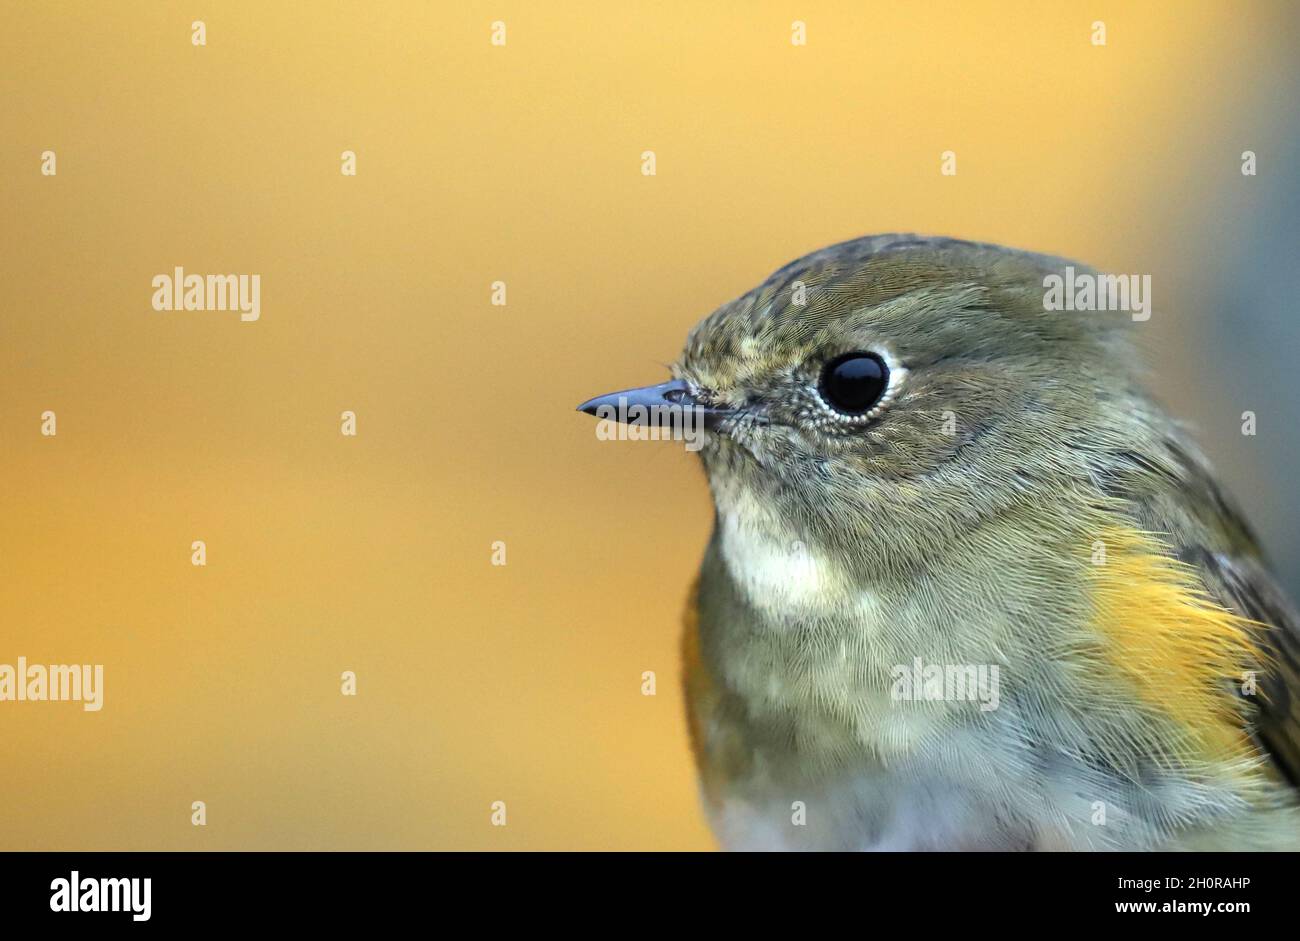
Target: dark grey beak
{"x": 654, "y": 405}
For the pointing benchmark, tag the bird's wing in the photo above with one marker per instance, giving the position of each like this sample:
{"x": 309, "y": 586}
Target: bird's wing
{"x": 1244, "y": 585}
{"x": 1171, "y": 491}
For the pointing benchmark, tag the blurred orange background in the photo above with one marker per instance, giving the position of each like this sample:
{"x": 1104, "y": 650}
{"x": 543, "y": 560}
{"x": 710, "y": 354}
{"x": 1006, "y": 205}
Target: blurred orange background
{"x": 479, "y": 163}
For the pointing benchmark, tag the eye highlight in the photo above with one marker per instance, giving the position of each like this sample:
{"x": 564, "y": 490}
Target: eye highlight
{"x": 854, "y": 383}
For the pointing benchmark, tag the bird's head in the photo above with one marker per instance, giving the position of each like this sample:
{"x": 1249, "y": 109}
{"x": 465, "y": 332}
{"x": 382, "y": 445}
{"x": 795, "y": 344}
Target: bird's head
{"x": 894, "y": 390}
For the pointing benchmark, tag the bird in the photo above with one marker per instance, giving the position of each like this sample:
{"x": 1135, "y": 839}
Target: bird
{"x": 969, "y": 587}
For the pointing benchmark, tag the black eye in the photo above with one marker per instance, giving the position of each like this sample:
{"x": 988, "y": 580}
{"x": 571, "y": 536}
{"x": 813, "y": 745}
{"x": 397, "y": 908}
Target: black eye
{"x": 854, "y": 382}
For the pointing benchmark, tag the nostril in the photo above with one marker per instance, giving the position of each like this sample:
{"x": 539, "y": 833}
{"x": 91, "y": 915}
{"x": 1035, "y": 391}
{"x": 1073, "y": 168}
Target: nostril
{"x": 675, "y": 396}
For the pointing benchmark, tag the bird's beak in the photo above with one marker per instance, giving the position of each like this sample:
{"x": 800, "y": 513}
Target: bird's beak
{"x": 659, "y": 405}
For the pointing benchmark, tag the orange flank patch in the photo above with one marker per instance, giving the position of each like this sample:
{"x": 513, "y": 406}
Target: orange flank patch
{"x": 1184, "y": 654}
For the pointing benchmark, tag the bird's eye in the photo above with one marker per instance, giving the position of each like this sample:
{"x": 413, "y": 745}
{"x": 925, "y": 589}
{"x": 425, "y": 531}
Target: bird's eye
{"x": 854, "y": 382}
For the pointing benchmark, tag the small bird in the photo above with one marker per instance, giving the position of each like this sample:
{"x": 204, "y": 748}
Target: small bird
{"x": 969, "y": 587}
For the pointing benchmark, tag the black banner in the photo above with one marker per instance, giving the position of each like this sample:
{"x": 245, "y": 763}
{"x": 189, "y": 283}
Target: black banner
{"x": 138, "y": 891}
